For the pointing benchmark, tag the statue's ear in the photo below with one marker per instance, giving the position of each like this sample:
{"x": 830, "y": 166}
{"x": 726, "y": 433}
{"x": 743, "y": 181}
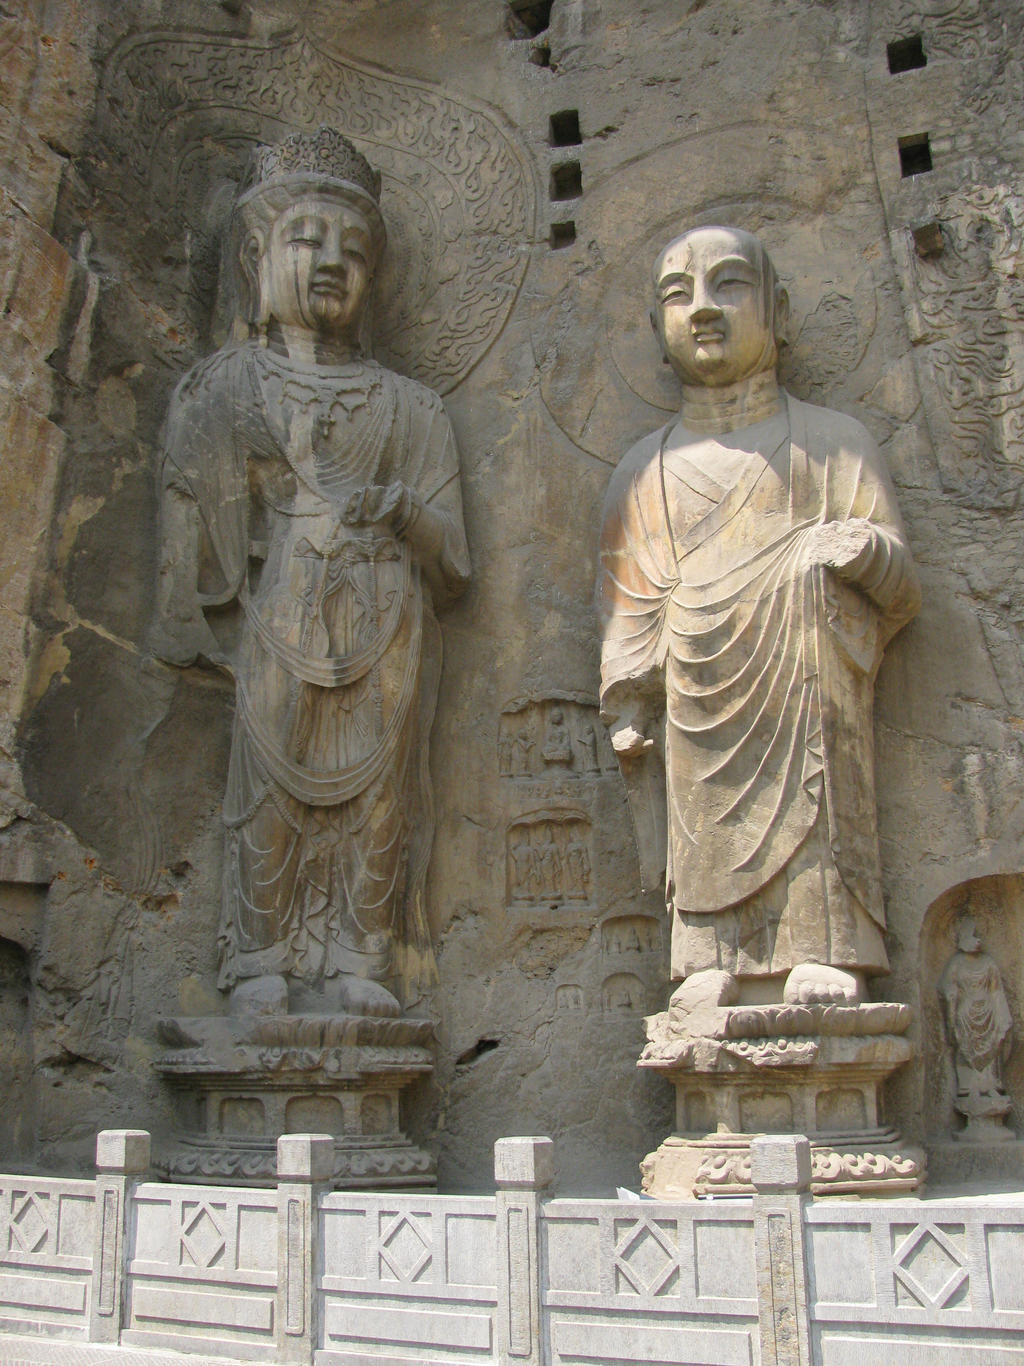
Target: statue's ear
{"x": 252, "y": 250}
{"x": 249, "y": 257}
{"x": 781, "y": 317}
{"x": 653, "y": 315}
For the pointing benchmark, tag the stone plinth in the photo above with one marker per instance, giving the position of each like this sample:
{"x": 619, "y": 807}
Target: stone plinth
{"x": 740, "y": 1071}
{"x": 252, "y": 1080}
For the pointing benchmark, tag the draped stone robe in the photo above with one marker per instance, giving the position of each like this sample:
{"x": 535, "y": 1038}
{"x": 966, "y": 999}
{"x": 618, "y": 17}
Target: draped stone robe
{"x": 765, "y": 668}
{"x": 978, "y": 1021}
{"x": 329, "y": 632}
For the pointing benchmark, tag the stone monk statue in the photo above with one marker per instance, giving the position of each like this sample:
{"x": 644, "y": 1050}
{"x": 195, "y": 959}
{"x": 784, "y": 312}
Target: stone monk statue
{"x": 311, "y": 521}
{"x": 753, "y": 567}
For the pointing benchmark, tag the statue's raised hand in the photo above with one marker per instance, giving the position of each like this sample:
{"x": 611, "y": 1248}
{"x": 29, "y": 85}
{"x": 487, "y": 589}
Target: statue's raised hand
{"x": 391, "y": 504}
{"x": 845, "y": 547}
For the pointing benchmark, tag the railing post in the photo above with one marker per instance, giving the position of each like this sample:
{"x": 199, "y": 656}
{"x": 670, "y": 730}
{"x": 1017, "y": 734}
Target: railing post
{"x": 780, "y": 1168}
{"x": 305, "y": 1163}
{"x": 523, "y": 1168}
{"x": 122, "y": 1158}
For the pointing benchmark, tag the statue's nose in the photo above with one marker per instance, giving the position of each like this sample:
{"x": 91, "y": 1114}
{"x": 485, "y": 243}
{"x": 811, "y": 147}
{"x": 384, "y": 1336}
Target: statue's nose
{"x": 703, "y": 305}
{"x": 331, "y": 256}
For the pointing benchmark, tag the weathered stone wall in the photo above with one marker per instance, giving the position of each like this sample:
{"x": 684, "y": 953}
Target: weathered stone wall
{"x": 123, "y": 127}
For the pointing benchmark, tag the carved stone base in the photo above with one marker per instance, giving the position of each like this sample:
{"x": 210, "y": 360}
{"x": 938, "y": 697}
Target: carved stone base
{"x": 984, "y": 1117}
{"x": 251, "y": 1080}
{"x": 745, "y": 1070}
{"x": 719, "y": 1164}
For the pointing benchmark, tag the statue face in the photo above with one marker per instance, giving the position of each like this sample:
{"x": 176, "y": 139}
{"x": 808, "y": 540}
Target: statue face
{"x": 317, "y": 266}
{"x": 967, "y": 940}
{"x": 710, "y": 307}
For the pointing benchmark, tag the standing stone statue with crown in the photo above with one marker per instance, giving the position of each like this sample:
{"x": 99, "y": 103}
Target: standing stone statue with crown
{"x": 311, "y": 524}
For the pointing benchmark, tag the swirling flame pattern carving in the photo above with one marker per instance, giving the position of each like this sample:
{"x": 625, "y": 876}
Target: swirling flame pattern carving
{"x": 970, "y": 300}
{"x": 459, "y": 195}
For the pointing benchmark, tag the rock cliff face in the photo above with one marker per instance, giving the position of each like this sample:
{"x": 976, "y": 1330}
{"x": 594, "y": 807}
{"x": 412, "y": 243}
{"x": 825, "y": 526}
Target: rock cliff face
{"x": 535, "y": 158}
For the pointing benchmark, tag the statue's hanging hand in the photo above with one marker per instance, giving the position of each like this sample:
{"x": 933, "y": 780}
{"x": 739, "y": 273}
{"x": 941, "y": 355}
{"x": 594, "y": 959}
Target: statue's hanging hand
{"x": 846, "y": 547}
{"x": 630, "y": 723}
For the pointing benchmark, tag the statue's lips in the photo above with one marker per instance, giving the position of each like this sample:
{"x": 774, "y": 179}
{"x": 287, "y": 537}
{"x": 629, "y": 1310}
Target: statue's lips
{"x": 328, "y": 289}
{"x": 704, "y": 338}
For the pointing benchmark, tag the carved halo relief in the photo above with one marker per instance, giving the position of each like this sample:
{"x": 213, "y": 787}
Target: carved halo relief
{"x": 181, "y": 114}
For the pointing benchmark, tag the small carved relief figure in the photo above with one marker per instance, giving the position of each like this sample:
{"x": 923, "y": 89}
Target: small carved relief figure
{"x": 586, "y": 744}
{"x": 557, "y": 748}
{"x": 524, "y": 865}
{"x": 577, "y": 867}
{"x": 753, "y": 567}
{"x": 524, "y": 750}
{"x": 506, "y": 748}
{"x": 622, "y": 991}
{"x": 980, "y": 1030}
{"x": 311, "y": 520}
{"x": 569, "y": 996}
{"x": 549, "y": 862}
{"x": 607, "y": 758}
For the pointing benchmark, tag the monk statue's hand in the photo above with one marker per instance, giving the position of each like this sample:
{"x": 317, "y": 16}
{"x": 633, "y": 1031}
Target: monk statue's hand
{"x": 628, "y": 742}
{"x": 845, "y": 547}
{"x": 391, "y": 504}
{"x": 628, "y": 731}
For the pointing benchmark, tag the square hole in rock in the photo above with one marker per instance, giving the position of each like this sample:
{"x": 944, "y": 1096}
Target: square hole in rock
{"x": 565, "y": 128}
{"x": 562, "y": 235}
{"x": 906, "y": 54}
{"x": 527, "y": 18}
{"x": 566, "y": 181}
{"x": 915, "y": 154}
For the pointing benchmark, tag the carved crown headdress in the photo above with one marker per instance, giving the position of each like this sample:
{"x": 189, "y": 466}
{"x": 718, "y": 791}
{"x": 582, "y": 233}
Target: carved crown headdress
{"x": 323, "y": 162}
{"x": 325, "y": 155}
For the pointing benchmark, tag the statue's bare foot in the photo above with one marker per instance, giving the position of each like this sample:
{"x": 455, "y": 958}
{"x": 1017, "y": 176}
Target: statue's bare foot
{"x": 260, "y": 996}
{"x": 345, "y": 994}
{"x": 360, "y": 996}
{"x": 701, "y": 990}
{"x": 817, "y": 984}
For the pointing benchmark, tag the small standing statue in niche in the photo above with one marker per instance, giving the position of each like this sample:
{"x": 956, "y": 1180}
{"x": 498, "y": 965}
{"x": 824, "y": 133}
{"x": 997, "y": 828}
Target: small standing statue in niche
{"x": 586, "y": 741}
{"x": 311, "y": 520}
{"x": 754, "y": 565}
{"x": 980, "y": 1032}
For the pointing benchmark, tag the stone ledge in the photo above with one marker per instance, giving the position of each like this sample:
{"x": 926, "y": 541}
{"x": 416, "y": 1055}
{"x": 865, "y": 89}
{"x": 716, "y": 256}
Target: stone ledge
{"x": 27, "y": 1351}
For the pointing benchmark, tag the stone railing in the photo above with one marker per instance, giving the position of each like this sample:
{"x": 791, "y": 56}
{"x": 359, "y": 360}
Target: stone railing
{"x": 122, "y": 1269}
